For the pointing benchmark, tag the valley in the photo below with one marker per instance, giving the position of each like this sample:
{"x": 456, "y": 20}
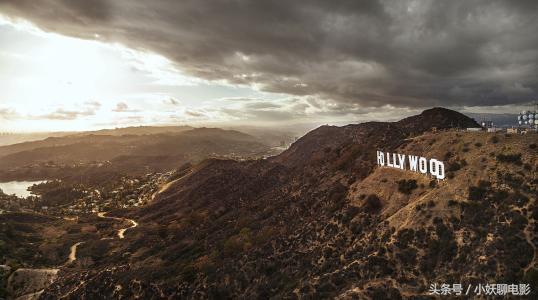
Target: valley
{"x": 63, "y": 209}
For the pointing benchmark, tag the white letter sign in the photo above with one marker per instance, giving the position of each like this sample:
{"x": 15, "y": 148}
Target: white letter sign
{"x": 434, "y": 167}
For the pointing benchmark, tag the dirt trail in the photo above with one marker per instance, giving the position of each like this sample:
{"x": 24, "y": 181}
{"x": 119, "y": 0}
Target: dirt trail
{"x": 31, "y": 296}
{"x": 28, "y": 284}
{"x": 121, "y": 232}
{"x": 73, "y": 253}
{"x": 167, "y": 185}
{"x": 31, "y": 283}
{"x": 163, "y": 188}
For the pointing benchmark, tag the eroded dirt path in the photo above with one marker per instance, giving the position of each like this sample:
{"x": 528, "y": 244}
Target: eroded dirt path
{"x": 73, "y": 253}
{"x": 163, "y": 187}
{"x": 30, "y": 283}
{"x": 121, "y": 232}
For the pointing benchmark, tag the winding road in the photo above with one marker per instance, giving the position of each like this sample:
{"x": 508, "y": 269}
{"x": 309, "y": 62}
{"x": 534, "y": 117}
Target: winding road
{"x": 121, "y": 232}
{"x": 41, "y": 278}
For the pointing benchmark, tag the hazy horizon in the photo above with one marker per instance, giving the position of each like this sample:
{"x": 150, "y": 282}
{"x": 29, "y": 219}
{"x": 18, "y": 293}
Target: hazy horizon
{"x": 500, "y": 119}
{"x": 82, "y": 66}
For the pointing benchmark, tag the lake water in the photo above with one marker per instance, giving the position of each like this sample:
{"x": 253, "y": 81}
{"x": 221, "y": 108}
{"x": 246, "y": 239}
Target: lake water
{"x": 18, "y": 188}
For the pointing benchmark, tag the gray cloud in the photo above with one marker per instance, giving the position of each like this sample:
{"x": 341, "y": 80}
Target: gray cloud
{"x": 62, "y": 114}
{"x": 93, "y": 104}
{"x": 88, "y": 108}
{"x": 353, "y": 53}
{"x": 123, "y": 107}
{"x": 7, "y": 114}
{"x": 308, "y": 110}
{"x": 171, "y": 101}
{"x": 194, "y": 113}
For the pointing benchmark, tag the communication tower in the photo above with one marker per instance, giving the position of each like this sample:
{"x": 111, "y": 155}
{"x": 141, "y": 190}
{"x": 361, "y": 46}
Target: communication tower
{"x": 529, "y": 118}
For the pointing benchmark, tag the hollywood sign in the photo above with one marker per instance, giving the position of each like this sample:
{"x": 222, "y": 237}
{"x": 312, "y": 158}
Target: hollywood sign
{"x": 412, "y": 162}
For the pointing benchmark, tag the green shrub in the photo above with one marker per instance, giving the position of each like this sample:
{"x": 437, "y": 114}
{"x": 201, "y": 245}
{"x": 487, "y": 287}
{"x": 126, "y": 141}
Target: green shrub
{"x": 265, "y": 235}
{"x": 510, "y": 158}
{"x": 232, "y": 246}
{"x": 452, "y": 202}
{"x": 407, "y": 186}
{"x": 476, "y": 193}
{"x": 453, "y": 166}
{"x": 372, "y": 203}
{"x": 188, "y": 273}
{"x": 238, "y": 243}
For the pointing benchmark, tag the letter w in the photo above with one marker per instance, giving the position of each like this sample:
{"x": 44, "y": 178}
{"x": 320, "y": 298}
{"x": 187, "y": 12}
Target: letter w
{"x": 413, "y": 163}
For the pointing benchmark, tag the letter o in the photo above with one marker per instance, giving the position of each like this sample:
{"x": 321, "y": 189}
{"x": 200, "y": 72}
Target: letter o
{"x": 423, "y": 165}
{"x": 434, "y": 170}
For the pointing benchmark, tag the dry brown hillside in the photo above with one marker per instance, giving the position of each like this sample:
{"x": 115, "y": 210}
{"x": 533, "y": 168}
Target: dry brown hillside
{"x": 322, "y": 220}
{"x": 487, "y": 206}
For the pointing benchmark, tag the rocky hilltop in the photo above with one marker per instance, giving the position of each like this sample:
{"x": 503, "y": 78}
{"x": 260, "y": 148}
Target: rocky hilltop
{"x": 322, "y": 220}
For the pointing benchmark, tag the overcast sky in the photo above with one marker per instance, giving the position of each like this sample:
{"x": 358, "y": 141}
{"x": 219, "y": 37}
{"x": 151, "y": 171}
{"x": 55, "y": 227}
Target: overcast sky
{"x": 78, "y": 64}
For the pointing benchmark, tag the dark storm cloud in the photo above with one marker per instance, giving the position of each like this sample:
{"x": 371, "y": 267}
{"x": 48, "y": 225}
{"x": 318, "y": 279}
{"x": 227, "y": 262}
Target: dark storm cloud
{"x": 370, "y": 53}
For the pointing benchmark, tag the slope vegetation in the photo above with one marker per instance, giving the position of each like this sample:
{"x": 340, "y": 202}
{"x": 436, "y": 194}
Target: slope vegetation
{"x": 321, "y": 220}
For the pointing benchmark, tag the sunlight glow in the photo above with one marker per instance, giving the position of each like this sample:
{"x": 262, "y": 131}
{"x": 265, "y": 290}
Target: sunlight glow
{"x": 57, "y": 76}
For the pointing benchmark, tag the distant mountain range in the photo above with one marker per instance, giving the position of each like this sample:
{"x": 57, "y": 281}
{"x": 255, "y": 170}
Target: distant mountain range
{"x": 499, "y": 120}
{"x": 127, "y": 150}
{"x": 10, "y": 138}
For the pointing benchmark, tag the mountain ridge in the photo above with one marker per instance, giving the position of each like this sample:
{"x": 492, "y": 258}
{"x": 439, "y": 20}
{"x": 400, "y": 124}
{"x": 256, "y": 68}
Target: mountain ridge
{"x": 131, "y": 154}
{"x": 321, "y": 220}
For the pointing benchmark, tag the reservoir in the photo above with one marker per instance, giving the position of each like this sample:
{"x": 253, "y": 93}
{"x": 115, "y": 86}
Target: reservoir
{"x": 19, "y": 188}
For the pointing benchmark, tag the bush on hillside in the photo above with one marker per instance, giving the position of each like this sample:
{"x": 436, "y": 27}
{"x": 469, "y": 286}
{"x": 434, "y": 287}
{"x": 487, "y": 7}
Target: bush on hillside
{"x": 407, "y": 186}
{"x": 476, "y": 193}
{"x": 510, "y": 158}
{"x": 372, "y": 203}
